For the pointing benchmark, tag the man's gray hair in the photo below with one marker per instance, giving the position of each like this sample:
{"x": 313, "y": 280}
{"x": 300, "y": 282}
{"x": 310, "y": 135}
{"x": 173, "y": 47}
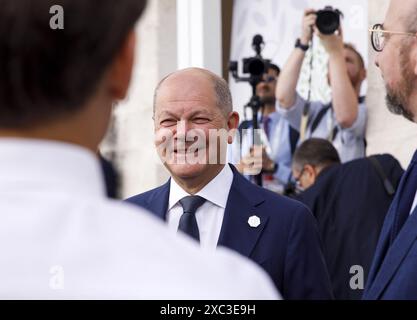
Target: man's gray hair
{"x": 220, "y": 86}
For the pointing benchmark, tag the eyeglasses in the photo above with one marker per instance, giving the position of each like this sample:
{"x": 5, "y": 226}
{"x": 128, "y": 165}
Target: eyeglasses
{"x": 378, "y": 36}
{"x": 269, "y": 79}
{"x": 297, "y": 179}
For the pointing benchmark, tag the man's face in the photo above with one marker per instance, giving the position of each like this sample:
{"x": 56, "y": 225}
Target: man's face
{"x": 186, "y": 111}
{"x": 266, "y": 89}
{"x": 304, "y": 176}
{"x": 395, "y": 61}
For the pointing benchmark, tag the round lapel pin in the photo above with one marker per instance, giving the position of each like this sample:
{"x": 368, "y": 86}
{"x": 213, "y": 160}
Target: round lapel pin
{"x": 254, "y": 221}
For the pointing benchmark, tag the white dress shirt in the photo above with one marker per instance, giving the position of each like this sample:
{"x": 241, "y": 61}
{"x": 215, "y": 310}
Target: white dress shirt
{"x": 61, "y": 238}
{"x": 210, "y": 215}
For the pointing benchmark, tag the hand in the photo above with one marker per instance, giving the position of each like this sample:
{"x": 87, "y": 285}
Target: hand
{"x": 267, "y": 164}
{"x": 250, "y": 165}
{"x": 332, "y": 43}
{"x": 256, "y": 162}
{"x": 309, "y": 21}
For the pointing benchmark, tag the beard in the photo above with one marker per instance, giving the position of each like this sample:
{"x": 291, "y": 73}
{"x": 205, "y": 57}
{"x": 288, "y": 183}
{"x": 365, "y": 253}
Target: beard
{"x": 268, "y": 100}
{"x": 396, "y": 106}
{"x": 397, "y": 100}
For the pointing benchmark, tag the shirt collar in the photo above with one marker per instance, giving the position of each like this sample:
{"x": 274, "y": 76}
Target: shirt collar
{"x": 223, "y": 181}
{"x": 28, "y": 165}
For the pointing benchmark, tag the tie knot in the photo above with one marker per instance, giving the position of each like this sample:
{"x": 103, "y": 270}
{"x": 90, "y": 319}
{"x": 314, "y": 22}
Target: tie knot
{"x": 192, "y": 203}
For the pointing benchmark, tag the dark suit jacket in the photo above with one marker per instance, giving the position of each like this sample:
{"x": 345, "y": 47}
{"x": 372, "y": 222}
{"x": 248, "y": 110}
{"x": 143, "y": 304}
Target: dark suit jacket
{"x": 286, "y": 244}
{"x": 350, "y": 202}
{"x": 393, "y": 275}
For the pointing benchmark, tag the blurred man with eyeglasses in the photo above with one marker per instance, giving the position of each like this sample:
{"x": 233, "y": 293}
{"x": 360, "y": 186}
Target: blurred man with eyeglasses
{"x": 393, "y": 273}
{"x": 343, "y": 121}
{"x": 279, "y": 140}
{"x": 349, "y": 201}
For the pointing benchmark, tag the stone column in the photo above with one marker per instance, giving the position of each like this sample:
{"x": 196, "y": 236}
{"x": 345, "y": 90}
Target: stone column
{"x": 130, "y": 140}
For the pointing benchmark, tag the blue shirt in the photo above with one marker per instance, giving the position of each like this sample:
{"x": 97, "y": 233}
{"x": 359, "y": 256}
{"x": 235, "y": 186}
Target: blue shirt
{"x": 278, "y": 146}
{"x": 349, "y": 142}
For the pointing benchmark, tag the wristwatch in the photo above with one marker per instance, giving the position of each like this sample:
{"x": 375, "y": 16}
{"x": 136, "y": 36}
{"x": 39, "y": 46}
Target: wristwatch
{"x": 301, "y": 46}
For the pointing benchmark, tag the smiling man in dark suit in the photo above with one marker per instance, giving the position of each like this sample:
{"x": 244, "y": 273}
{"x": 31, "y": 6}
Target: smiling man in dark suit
{"x": 213, "y": 203}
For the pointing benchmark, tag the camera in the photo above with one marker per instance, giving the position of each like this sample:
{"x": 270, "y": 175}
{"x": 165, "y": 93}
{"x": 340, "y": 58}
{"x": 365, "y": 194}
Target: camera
{"x": 328, "y": 20}
{"x": 255, "y": 66}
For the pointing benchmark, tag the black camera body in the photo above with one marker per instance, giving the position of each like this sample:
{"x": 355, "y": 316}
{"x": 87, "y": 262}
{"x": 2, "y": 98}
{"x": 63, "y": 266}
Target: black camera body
{"x": 328, "y": 20}
{"x": 255, "y": 66}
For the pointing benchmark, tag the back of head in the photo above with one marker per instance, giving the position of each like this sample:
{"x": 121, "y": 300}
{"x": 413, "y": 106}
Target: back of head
{"x": 317, "y": 153}
{"x": 47, "y": 71}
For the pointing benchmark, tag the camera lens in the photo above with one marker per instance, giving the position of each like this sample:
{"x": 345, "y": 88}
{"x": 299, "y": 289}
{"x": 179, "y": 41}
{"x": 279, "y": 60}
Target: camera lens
{"x": 257, "y": 67}
{"x": 328, "y": 21}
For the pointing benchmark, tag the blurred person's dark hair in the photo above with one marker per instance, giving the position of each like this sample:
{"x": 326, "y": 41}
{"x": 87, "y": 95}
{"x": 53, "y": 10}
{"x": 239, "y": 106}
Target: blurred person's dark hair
{"x": 275, "y": 68}
{"x": 317, "y": 153}
{"x": 46, "y": 74}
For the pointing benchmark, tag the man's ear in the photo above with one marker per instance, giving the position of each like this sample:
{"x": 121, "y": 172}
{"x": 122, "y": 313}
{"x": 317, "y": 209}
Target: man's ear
{"x": 121, "y": 69}
{"x": 309, "y": 169}
{"x": 232, "y": 125}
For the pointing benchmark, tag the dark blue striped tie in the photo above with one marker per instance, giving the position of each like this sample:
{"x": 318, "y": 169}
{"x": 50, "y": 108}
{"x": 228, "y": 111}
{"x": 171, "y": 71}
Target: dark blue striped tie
{"x": 188, "y": 221}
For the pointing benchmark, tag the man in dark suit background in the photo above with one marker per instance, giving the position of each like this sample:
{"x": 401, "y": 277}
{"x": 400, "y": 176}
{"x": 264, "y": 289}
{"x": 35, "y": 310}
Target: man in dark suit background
{"x": 393, "y": 273}
{"x": 213, "y": 203}
{"x": 350, "y": 202}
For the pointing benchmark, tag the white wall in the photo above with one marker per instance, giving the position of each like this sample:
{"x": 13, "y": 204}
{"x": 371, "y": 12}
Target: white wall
{"x": 199, "y": 41}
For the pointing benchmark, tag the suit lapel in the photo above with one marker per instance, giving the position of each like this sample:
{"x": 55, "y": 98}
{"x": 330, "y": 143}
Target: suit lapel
{"x": 158, "y": 202}
{"x": 394, "y": 257}
{"x": 384, "y": 241}
{"x": 383, "y": 245}
{"x": 243, "y": 202}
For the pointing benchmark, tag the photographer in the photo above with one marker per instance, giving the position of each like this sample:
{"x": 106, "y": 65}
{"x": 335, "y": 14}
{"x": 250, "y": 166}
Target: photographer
{"x": 343, "y": 121}
{"x": 279, "y": 139}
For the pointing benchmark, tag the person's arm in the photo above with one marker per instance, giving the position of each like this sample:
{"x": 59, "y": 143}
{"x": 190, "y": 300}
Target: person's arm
{"x": 288, "y": 78}
{"x": 344, "y": 96}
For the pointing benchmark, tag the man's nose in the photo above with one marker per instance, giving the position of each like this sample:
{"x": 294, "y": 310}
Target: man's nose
{"x": 182, "y": 128}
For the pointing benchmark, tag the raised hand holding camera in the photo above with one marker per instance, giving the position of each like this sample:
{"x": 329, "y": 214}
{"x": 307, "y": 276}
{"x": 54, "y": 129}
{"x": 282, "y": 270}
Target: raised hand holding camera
{"x": 309, "y": 20}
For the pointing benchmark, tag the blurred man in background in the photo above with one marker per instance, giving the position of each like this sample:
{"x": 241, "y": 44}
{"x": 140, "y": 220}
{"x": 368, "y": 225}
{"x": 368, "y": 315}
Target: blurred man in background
{"x": 350, "y": 202}
{"x": 279, "y": 140}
